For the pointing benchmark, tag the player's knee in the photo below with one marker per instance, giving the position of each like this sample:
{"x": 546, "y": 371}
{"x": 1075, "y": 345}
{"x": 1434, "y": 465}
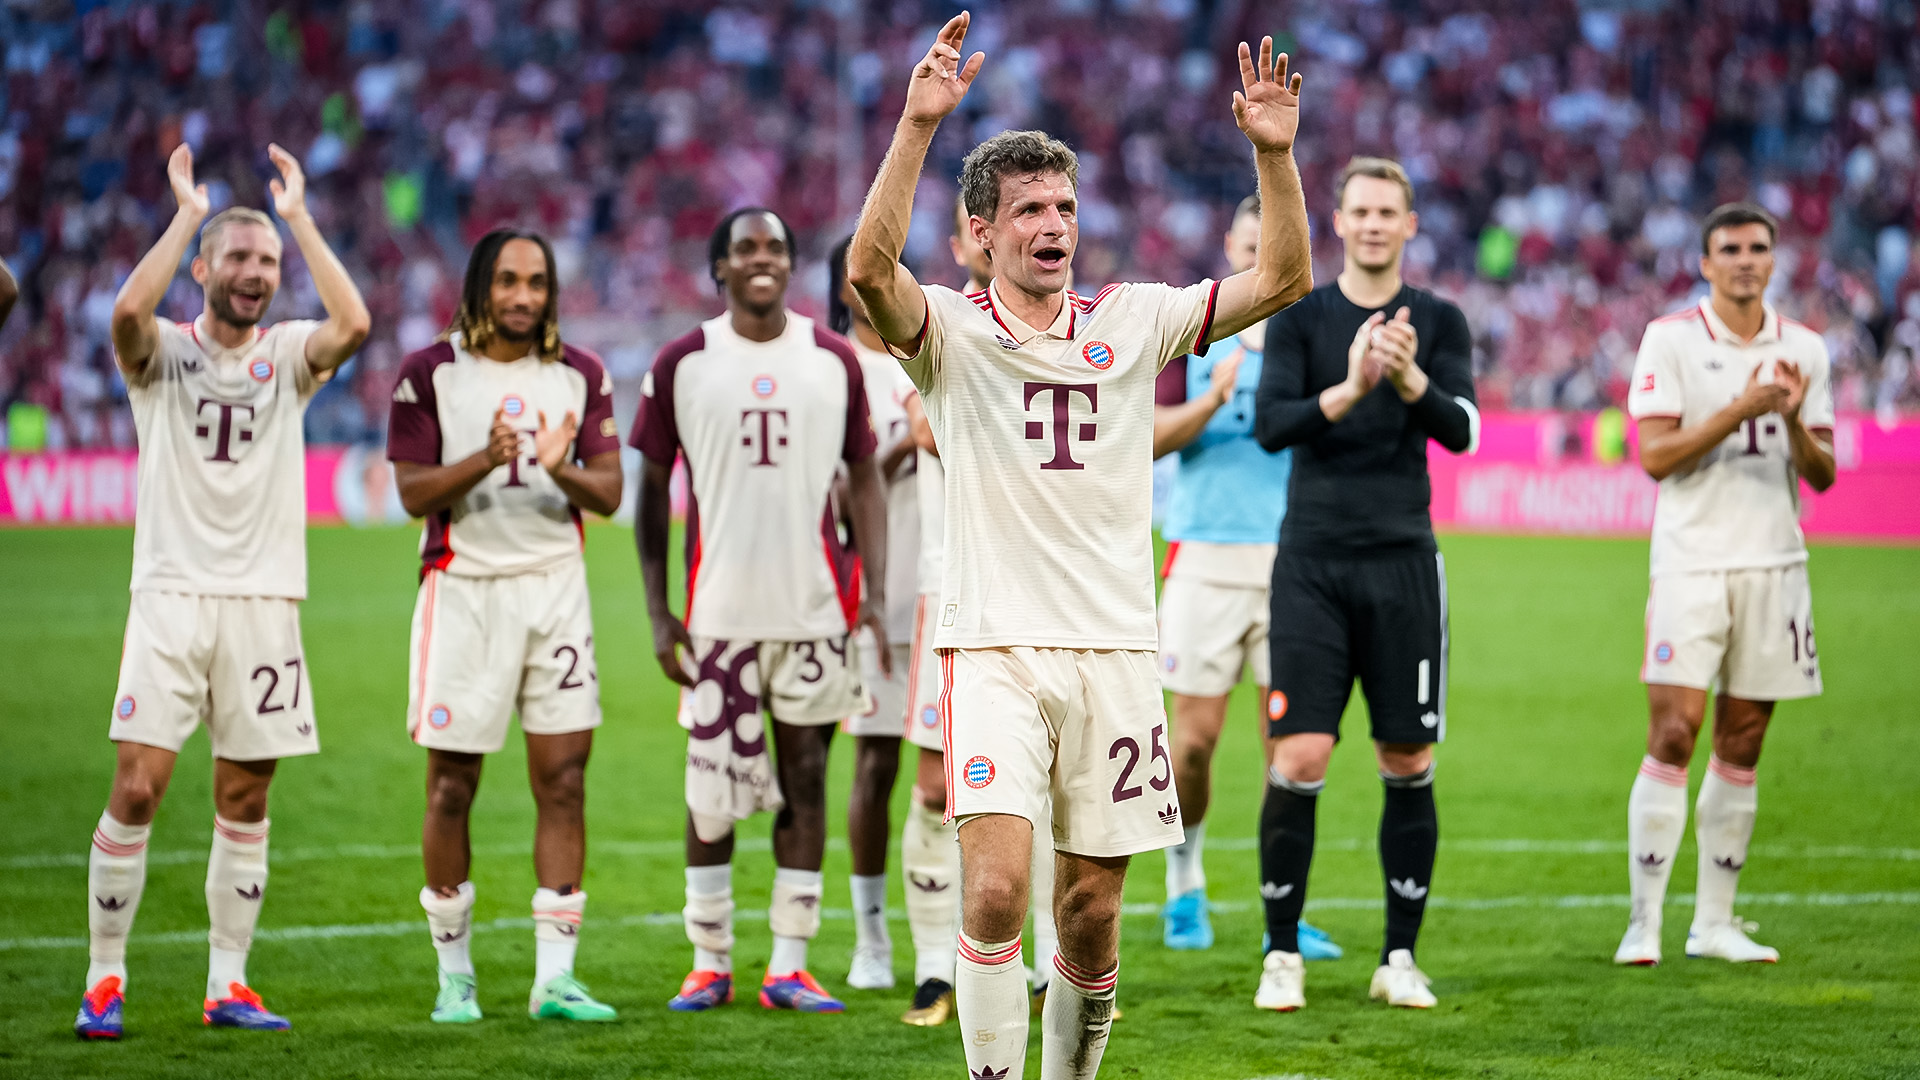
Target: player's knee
{"x": 563, "y": 789}
{"x": 1302, "y": 760}
{"x": 1085, "y": 903}
{"x": 136, "y": 797}
{"x": 997, "y": 900}
{"x": 449, "y": 795}
{"x": 1671, "y": 735}
{"x": 877, "y": 765}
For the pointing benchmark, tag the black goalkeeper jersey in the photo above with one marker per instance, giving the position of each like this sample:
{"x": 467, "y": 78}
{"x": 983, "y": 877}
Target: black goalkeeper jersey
{"x": 1360, "y": 486}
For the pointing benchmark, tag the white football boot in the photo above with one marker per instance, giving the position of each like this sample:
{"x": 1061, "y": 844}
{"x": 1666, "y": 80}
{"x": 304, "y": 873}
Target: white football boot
{"x": 1641, "y": 945}
{"x": 1729, "y": 941}
{"x": 872, "y": 969}
{"x": 1283, "y": 983}
{"x": 1398, "y": 983}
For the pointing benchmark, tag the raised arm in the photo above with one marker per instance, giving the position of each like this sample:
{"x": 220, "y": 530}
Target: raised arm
{"x": 347, "y": 322}
{"x": 135, "y": 334}
{"x": 892, "y": 297}
{"x": 1267, "y": 108}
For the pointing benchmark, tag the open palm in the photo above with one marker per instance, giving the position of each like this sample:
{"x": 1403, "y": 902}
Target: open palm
{"x": 939, "y": 79}
{"x": 290, "y": 191}
{"x": 190, "y": 195}
{"x": 1267, "y": 105}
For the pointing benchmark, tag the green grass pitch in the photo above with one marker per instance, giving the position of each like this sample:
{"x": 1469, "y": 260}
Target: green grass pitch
{"x": 1546, "y": 730}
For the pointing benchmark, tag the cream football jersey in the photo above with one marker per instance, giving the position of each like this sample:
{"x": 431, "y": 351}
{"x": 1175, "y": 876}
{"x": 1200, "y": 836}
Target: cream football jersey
{"x": 887, "y": 390}
{"x": 1739, "y": 506}
{"x": 764, "y": 427}
{"x": 1047, "y": 439}
{"x": 222, "y": 493}
{"x": 516, "y": 519}
{"x": 931, "y": 480}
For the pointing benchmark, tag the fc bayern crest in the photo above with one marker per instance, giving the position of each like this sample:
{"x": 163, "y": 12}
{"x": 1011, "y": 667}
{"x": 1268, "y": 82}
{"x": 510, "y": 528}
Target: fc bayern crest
{"x": 930, "y": 717}
{"x": 1099, "y": 354}
{"x": 764, "y": 386}
{"x": 1663, "y": 652}
{"x": 124, "y": 708}
{"x": 439, "y": 716}
{"x": 1276, "y": 705}
{"x": 513, "y": 406}
{"x": 261, "y": 370}
{"x": 978, "y": 771}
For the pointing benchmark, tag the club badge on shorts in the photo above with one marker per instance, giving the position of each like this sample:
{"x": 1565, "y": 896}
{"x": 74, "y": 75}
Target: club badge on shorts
{"x": 930, "y": 717}
{"x": 1663, "y": 652}
{"x": 1276, "y": 705}
{"x": 439, "y": 717}
{"x": 124, "y": 708}
{"x": 978, "y": 771}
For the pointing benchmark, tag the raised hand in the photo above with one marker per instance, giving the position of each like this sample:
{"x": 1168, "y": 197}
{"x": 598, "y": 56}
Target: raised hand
{"x": 550, "y": 445}
{"x": 1267, "y": 105}
{"x": 939, "y": 79}
{"x": 1787, "y": 374}
{"x": 1760, "y": 398}
{"x": 503, "y": 442}
{"x": 290, "y": 191}
{"x": 192, "y": 197}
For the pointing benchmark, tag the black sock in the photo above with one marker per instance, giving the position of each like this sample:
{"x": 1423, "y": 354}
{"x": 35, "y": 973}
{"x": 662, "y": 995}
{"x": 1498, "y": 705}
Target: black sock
{"x": 1286, "y": 853}
{"x": 1409, "y": 834}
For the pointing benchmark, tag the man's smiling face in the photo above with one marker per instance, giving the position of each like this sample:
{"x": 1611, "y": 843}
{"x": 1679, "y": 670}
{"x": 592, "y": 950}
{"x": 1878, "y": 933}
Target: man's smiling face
{"x": 1033, "y": 233}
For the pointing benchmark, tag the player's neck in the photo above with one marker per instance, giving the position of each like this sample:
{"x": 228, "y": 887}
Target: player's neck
{"x": 504, "y": 351}
{"x": 1037, "y": 310}
{"x": 1745, "y": 318}
{"x": 759, "y": 326}
{"x": 225, "y": 334}
{"x": 1370, "y": 288}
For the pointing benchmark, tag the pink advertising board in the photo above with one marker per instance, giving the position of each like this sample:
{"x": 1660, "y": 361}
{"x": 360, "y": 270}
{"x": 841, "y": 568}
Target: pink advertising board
{"x": 1533, "y": 474}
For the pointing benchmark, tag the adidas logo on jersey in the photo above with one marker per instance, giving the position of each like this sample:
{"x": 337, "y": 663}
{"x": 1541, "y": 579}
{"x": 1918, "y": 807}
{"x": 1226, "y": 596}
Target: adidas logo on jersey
{"x": 404, "y": 393}
{"x": 1272, "y": 891}
{"x": 1406, "y": 889}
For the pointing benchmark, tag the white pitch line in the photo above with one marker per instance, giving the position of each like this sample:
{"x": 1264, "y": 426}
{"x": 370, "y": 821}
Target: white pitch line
{"x": 759, "y": 915}
{"x": 663, "y": 848}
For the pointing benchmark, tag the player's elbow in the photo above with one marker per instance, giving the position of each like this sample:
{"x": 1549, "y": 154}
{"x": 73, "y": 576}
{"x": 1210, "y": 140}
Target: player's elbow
{"x": 354, "y": 328}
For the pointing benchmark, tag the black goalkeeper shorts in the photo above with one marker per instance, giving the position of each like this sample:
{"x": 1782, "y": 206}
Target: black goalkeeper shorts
{"x": 1380, "y": 620}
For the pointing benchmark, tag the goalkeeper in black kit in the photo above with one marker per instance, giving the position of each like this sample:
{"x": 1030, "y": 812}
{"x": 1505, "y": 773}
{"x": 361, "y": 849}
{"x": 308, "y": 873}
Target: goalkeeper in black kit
{"x": 1358, "y": 377}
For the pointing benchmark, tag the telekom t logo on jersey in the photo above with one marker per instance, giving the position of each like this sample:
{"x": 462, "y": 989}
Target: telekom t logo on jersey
{"x": 765, "y": 429}
{"x": 226, "y": 430}
{"x": 1058, "y": 427}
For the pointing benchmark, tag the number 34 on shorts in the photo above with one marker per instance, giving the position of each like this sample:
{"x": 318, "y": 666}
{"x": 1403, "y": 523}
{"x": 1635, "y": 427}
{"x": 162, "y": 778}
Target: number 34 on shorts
{"x": 1084, "y": 728}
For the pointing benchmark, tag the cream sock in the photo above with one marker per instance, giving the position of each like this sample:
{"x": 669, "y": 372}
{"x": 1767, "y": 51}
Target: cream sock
{"x": 930, "y": 862}
{"x": 1076, "y": 1022}
{"x": 116, "y": 875}
{"x": 870, "y": 912}
{"x": 709, "y": 917}
{"x": 1722, "y": 828}
{"x": 794, "y": 916}
{"x": 1185, "y": 872}
{"x": 236, "y": 881}
{"x": 1656, "y": 819}
{"x": 450, "y": 924}
{"x": 556, "y": 933}
{"x": 990, "y": 992}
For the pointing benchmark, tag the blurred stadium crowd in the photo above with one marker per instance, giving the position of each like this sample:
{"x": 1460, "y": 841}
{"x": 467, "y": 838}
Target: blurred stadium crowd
{"x": 1564, "y": 155}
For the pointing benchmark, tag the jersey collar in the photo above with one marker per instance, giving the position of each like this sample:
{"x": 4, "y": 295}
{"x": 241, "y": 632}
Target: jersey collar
{"x": 1770, "y": 327}
{"x": 1017, "y": 328}
{"x": 203, "y": 337}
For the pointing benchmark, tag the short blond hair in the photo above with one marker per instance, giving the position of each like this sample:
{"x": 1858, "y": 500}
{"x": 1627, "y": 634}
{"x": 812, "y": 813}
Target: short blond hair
{"x": 1378, "y": 168}
{"x": 226, "y": 219}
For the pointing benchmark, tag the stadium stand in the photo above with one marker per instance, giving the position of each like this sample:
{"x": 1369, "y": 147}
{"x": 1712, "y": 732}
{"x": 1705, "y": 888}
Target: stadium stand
{"x": 1564, "y": 154}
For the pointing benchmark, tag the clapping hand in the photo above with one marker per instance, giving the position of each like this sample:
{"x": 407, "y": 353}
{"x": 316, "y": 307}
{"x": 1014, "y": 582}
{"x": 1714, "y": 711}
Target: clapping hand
{"x": 550, "y": 445}
{"x": 1787, "y": 374}
{"x": 1395, "y": 344}
{"x": 192, "y": 197}
{"x": 290, "y": 191}
{"x": 503, "y": 442}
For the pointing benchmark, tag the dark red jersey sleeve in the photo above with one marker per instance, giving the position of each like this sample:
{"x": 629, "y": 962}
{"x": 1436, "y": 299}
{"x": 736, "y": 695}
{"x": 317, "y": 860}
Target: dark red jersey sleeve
{"x": 656, "y": 433}
{"x": 413, "y": 418}
{"x": 860, "y": 441}
{"x": 599, "y": 431}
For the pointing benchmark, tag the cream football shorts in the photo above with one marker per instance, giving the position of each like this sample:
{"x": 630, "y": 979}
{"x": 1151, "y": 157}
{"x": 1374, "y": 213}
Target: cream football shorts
{"x": 804, "y": 683}
{"x": 1749, "y": 632}
{"x": 233, "y": 663}
{"x": 1210, "y": 634}
{"x": 485, "y": 648}
{"x": 1086, "y": 727}
{"x": 887, "y": 694}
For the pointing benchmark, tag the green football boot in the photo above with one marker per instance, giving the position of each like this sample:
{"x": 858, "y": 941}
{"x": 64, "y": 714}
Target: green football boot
{"x": 563, "y": 998}
{"x": 459, "y": 1001}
